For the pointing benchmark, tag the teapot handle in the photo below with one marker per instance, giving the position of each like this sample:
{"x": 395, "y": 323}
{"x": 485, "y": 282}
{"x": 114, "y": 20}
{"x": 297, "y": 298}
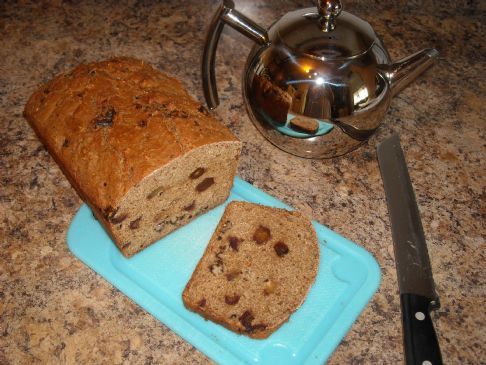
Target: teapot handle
{"x": 226, "y": 14}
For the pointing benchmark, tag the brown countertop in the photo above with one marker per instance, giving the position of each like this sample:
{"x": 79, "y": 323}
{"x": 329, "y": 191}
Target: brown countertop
{"x": 53, "y": 309}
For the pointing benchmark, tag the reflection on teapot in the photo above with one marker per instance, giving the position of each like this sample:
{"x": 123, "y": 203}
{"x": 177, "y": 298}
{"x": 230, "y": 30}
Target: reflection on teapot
{"x": 318, "y": 83}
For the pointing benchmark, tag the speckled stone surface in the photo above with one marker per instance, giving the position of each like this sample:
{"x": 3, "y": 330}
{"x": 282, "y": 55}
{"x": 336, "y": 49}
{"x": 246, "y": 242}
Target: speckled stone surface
{"x": 53, "y": 309}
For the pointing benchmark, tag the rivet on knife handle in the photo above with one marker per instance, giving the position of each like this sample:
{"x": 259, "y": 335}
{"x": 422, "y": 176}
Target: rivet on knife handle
{"x": 419, "y": 337}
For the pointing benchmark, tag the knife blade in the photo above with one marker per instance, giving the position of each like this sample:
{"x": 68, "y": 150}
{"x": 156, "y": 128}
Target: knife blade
{"x": 415, "y": 281}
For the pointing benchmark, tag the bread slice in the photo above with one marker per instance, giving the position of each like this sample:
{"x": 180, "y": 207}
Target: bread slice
{"x": 143, "y": 154}
{"x": 256, "y": 270}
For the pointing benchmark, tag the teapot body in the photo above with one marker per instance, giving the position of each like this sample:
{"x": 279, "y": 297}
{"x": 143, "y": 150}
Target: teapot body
{"x": 318, "y": 82}
{"x": 345, "y": 98}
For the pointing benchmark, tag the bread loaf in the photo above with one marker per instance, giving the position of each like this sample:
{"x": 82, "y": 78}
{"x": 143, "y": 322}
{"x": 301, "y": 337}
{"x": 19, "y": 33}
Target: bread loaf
{"x": 256, "y": 270}
{"x": 145, "y": 156}
{"x": 274, "y": 101}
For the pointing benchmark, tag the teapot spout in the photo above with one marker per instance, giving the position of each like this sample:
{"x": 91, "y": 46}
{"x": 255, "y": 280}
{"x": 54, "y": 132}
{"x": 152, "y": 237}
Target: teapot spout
{"x": 401, "y": 73}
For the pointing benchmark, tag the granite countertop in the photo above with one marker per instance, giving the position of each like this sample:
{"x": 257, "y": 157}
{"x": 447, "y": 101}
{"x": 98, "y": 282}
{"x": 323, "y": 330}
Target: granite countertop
{"x": 54, "y": 309}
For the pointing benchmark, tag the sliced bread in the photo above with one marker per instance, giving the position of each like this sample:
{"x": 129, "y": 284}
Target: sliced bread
{"x": 256, "y": 270}
{"x": 143, "y": 154}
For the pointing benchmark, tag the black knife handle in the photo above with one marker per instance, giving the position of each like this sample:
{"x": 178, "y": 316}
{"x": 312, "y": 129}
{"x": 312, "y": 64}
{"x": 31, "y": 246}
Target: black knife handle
{"x": 419, "y": 338}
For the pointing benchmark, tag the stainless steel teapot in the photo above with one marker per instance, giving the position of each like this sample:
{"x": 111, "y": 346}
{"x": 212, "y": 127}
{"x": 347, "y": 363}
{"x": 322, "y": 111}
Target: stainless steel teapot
{"x": 318, "y": 82}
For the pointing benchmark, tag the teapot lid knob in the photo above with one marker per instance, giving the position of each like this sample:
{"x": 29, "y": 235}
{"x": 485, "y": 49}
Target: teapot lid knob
{"x": 329, "y": 10}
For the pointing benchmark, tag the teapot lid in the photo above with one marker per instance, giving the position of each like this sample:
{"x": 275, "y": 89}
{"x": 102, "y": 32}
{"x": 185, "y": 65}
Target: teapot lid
{"x": 327, "y": 33}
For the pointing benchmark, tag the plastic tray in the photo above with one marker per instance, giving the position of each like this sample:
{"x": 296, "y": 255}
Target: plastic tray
{"x": 155, "y": 278}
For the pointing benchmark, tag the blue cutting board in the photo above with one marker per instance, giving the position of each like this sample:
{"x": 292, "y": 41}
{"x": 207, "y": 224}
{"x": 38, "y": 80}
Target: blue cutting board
{"x": 155, "y": 278}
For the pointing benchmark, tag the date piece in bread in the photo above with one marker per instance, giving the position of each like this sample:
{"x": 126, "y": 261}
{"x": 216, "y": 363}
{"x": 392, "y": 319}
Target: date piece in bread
{"x": 256, "y": 270}
{"x": 143, "y": 154}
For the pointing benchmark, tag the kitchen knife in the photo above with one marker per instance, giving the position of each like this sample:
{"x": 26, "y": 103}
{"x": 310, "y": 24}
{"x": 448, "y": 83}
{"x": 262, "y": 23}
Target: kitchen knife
{"x": 417, "y": 290}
